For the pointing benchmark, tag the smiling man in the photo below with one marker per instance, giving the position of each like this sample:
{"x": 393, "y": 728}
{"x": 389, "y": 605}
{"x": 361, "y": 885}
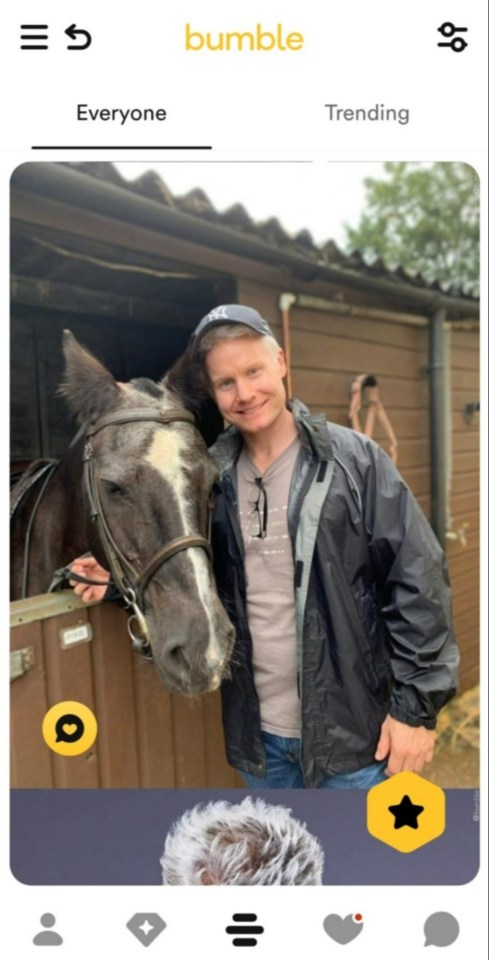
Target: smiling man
{"x": 331, "y": 575}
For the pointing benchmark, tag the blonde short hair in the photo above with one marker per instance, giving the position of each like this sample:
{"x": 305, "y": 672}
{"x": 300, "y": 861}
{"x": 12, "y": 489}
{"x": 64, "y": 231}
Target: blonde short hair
{"x": 235, "y": 331}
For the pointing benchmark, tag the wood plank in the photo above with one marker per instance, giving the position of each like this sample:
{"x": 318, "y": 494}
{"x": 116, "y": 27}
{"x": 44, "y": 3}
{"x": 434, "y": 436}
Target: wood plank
{"x": 314, "y": 351}
{"x": 465, "y": 503}
{"x": 469, "y": 641}
{"x": 466, "y": 360}
{"x": 155, "y": 727}
{"x": 189, "y": 741}
{"x": 38, "y": 239}
{"x": 466, "y": 601}
{"x": 466, "y": 442}
{"x": 361, "y": 330}
{"x": 327, "y": 386}
{"x": 465, "y": 462}
{"x": 469, "y": 679}
{"x": 219, "y": 775}
{"x": 417, "y": 479}
{"x": 469, "y": 670}
{"x": 33, "y": 209}
{"x": 455, "y": 549}
{"x": 463, "y": 395}
{"x": 459, "y": 422}
{"x": 464, "y": 563}
{"x": 414, "y": 451}
{"x": 114, "y": 697}
{"x": 467, "y": 623}
{"x": 69, "y": 677}
{"x": 407, "y": 424}
{"x": 465, "y": 340}
{"x": 62, "y": 296}
{"x": 31, "y": 759}
{"x": 470, "y": 662}
{"x": 466, "y": 483}
{"x": 464, "y": 379}
{"x": 467, "y": 582}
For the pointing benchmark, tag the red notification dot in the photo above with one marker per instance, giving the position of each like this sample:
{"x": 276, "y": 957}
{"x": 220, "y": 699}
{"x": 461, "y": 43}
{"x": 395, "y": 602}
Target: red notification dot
{"x": 358, "y": 917}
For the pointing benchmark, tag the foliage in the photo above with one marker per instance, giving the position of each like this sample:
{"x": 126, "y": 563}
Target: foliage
{"x": 425, "y": 219}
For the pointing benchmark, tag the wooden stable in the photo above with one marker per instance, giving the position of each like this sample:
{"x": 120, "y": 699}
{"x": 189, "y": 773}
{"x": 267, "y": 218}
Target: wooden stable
{"x": 64, "y": 650}
{"x": 131, "y": 269}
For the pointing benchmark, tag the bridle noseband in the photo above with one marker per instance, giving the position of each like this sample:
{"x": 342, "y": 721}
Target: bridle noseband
{"x": 131, "y": 584}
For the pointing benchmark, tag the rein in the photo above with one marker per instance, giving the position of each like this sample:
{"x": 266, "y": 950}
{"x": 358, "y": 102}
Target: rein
{"x": 35, "y": 472}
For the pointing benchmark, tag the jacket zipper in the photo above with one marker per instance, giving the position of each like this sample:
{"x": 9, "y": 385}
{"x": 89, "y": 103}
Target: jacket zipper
{"x": 231, "y": 508}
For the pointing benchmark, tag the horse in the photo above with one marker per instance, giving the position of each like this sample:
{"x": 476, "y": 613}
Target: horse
{"x": 133, "y": 489}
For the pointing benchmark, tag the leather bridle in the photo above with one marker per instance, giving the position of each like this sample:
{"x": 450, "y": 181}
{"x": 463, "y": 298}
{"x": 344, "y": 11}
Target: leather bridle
{"x": 131, "y": 584}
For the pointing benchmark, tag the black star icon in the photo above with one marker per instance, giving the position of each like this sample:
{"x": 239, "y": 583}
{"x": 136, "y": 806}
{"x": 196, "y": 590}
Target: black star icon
{"x": 406, "y": 813}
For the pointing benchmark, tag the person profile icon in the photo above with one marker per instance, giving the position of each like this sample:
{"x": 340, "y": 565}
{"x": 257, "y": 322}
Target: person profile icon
{"x": 47, "y": 937}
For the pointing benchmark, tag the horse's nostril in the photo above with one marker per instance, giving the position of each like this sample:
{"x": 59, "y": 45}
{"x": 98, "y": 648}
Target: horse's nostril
{"x": 177, "y": 659}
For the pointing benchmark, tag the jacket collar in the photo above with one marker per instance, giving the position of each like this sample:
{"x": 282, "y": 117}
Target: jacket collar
{"x": 312, "y": 428}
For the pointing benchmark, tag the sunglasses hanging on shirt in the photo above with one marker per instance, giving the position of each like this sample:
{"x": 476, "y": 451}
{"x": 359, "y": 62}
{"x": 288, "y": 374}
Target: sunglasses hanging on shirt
{"x": 258, "y": 500}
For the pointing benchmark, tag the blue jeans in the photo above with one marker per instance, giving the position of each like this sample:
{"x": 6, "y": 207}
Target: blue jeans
{"x": 284, "y": 770}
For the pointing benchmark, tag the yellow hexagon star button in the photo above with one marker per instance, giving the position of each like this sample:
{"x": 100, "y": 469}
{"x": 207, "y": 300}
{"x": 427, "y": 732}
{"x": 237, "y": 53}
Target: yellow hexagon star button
{"x": 406, "y": 811}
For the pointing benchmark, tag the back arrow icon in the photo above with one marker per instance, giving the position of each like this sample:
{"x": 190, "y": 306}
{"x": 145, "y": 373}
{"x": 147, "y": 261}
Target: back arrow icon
{"x": 72, "y": 32}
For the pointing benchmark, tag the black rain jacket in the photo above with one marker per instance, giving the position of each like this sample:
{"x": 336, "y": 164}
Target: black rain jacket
{"x": 373, "y": 605}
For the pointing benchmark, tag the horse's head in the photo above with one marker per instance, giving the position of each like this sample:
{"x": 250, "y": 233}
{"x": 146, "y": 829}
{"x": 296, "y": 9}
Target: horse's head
{"x": 151, "y": 481}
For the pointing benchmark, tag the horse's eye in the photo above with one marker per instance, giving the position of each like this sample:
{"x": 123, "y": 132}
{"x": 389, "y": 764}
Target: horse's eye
{"x": 113, "y": 489}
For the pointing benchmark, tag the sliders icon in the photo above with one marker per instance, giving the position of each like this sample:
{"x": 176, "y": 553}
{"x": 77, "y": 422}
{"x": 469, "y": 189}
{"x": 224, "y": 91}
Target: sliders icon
{"x": 249, "y": 927}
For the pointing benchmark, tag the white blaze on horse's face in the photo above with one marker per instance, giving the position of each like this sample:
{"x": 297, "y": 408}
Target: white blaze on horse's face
{"x": 169, "y": 453}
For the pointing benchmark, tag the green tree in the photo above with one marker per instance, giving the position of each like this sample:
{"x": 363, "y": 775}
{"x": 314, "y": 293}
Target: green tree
{"x": 425, "y": 219}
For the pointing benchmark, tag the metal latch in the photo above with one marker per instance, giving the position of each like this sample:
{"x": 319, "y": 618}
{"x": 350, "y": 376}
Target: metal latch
{"x": 21, "y": 661}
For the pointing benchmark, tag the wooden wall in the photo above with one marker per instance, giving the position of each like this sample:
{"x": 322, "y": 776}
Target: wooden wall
{"x": 463, "y": 553}
{"x": 146, "y": 737}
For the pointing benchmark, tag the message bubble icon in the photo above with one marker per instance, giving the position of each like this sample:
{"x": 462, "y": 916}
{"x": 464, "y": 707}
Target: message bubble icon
{"x": 441, "y": 930}
{"x": 69, "y": 728}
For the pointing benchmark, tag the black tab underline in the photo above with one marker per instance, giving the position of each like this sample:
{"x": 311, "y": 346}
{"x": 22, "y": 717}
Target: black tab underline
{"x": 113, "y": 147}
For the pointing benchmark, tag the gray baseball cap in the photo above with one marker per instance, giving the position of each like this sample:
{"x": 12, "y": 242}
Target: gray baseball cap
{"x": 231, "y": 313}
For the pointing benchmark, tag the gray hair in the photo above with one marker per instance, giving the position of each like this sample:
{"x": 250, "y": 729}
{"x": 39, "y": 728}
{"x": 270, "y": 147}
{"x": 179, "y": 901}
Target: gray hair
{"x": 235, "y": 331}
{"x": 249, "y": 843}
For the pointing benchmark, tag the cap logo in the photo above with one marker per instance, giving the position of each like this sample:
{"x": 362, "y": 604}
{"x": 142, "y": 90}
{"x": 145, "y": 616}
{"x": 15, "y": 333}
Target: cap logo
{"x": 218, "y": 313}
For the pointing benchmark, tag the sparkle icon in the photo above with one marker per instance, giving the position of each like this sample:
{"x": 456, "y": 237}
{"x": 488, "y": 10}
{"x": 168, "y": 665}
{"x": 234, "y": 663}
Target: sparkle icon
{"x": 146, "y": 927}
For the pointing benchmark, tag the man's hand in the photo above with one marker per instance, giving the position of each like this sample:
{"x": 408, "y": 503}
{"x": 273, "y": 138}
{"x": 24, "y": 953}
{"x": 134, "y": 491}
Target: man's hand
{"x": 408, "y": 748}
{"x": 88, "y": 567}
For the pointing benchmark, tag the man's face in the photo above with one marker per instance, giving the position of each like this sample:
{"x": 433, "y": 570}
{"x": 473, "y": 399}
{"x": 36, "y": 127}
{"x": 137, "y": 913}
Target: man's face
{"x": 247, "y": 383}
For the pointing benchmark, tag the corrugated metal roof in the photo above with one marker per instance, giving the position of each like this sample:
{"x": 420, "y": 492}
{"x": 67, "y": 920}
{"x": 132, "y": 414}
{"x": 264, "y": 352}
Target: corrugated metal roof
{"x": 196, "y": 203}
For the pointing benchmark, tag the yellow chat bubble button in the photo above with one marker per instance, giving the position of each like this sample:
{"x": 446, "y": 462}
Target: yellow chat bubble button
{"x": 69, "y": 728}
{"x": 406, "y": 812}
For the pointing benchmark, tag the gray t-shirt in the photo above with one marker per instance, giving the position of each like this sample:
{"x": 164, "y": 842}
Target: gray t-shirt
{"x": 270, "y": 589}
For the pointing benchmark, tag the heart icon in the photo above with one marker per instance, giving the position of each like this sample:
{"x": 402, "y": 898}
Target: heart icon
{"x": 343, "y": 929}
{"x": 69, "y": 728}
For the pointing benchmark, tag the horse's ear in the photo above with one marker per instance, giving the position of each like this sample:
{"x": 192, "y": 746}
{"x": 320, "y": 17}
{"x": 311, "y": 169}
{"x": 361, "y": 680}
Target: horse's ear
{"x": 88, "y": 387}
{"x": 186, "y": 379}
